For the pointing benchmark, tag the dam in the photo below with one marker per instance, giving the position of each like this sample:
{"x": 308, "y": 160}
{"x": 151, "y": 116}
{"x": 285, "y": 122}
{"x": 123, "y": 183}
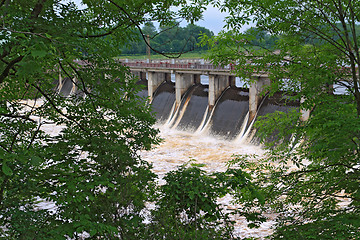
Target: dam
{"x": 208, "y": 131}
{"x": 198, "y": 97}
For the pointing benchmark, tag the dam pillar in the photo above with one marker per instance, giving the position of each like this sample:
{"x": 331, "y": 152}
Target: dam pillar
{"x": 255, "y": 91}
{"x": 232, "y": 81}
{"x": 182, "y": 83}
{"x": 217, "y": 84}
{"x": 305, "y": 113}
{"x": 60, "y": 82}
{"x": 168, "y": 77}
{"x": 140, "y": 75}
{"x": 197, "y": 79}
{"x": 154, "y": 81}
{"x": 74, "y": 82}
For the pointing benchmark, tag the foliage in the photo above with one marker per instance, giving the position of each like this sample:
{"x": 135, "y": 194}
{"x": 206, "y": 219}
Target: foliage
{"x": 187, "y": 206}
{"x": 311, "y": 180}
{"x": 76, "y": 155}
{"x": 170, "y": 39}
{"x": 260, "y": 38}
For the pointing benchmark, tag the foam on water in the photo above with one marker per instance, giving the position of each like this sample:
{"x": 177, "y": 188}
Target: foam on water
{"x": 178, "y": 147}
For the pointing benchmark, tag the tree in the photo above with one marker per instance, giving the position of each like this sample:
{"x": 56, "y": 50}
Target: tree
{"x": 261, "y": 38}
{"x": 171, "y": 39}
{"x": 188, "y": 208}
{"x": 312, "y": 181}
{"x": 89, "y": 172}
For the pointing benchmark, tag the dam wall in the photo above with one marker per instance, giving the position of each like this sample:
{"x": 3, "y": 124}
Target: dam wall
{"x": 219, "y": 107}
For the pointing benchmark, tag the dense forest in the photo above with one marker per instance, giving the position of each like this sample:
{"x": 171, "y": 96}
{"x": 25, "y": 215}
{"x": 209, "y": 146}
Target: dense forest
{"x": 166, "y": 39}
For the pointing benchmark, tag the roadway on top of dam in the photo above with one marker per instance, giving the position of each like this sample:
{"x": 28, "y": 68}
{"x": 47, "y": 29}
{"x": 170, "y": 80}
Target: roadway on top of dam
{"x": 191, "y": 67}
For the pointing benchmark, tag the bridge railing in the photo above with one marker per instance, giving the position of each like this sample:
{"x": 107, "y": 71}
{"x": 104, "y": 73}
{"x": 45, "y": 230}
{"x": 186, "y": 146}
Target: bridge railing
{"x": 166, "y": 65}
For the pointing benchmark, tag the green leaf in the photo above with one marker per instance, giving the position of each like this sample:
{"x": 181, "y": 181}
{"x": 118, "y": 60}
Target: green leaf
{"x": 356, "y": 140}
{"x": 38, "y": 53}
{"x": 6, "y": 169}
{"x": 199, "y": 165}
{"x": 93, "y": 232}
{"x": 28, "y": 67}
{"x": 36, "y": 160}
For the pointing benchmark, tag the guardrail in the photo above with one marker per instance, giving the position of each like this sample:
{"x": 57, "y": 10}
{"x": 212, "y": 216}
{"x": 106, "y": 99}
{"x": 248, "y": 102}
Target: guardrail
{"x": 193, "y": 66}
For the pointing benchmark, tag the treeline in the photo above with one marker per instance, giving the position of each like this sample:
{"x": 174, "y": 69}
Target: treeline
{"x": 166, "y": 39}
{"x": 178, "y": 39}
{"x": 260, "y": 38}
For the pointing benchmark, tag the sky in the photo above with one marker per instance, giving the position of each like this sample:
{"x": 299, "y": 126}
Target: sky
{"x": 213, "y": 19}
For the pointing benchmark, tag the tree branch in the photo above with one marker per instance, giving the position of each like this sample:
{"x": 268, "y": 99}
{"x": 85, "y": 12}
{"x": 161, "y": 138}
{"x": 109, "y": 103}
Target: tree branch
{"x": 28, "y": 33}
{"x": 111, "y": 31}
{"x": 37, "y": 9}
{"x": 58, "y": 110}
{"x": 17, "y": 116}
{"x": 312, "y": 29}
{"x": 6, "y": 71}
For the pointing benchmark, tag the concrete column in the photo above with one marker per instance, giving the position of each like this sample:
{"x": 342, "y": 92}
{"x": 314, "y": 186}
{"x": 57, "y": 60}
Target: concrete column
{"x": 74, "y": 87}
{"x": 61, "y": 82}
{"x": 197, "y": 78}
{"x": 142, "y": 75}
{"x": 168, "y": 77}
{"x": 232, "y": 81}
{"x": 305, "y": 113}
{"x": 217, "y": 84}
{"x": 254, "y": 94}
{"x": 182, "y": 83}
{"x": 154, "y": 81}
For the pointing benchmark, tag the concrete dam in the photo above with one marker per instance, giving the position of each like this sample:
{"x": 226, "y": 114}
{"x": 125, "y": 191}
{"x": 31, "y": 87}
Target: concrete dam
{"x": 199, "y": 97}
{"x": 196, "y": 100}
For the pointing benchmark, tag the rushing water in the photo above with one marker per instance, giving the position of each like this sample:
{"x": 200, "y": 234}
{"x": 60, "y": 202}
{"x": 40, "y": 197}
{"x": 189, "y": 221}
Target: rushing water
{"x": 178, "y": 147}
{"x": 210, "y": 137}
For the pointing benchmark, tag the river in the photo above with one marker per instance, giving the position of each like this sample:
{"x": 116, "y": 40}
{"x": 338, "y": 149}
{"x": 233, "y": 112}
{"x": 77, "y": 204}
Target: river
{"x": 178, "y": 147}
